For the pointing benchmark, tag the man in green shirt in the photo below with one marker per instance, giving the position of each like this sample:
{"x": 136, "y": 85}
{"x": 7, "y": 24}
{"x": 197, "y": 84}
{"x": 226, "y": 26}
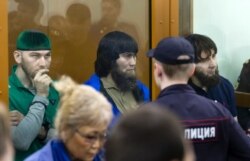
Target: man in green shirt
{"x": 33, "y": 100}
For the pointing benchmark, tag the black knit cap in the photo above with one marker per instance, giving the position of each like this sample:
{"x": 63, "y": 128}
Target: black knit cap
{"x": 33, "y": 40}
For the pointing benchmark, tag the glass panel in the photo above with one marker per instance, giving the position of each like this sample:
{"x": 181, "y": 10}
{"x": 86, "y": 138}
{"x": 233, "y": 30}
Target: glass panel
{"x": 229, "y": 30}
{"x": 185, "y": 17}
{"x": 76, "y": 26}
{"x": 226, "y": 22}
{"x": 23, "y": 14}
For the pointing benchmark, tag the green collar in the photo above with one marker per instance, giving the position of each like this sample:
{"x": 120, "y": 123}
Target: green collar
{"x": 14, "y": 79}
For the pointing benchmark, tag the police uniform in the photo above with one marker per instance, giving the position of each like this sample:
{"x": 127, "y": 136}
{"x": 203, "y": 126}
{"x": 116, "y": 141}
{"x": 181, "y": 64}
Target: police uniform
{"x": 215, "y": 135}
{"x": 210, "y": 126}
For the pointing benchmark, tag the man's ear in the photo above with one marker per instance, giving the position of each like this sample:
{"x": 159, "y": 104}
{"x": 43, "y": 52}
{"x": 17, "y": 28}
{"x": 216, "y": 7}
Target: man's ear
{"x": 17, "y": 56}
{"x": 158, "y": 69}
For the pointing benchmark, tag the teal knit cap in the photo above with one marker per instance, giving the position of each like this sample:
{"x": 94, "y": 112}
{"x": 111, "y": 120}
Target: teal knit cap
{"x": 32, "y": 40}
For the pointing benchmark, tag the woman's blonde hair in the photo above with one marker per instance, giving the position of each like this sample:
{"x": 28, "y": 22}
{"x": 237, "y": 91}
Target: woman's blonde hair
{"x": 80, "y": 105}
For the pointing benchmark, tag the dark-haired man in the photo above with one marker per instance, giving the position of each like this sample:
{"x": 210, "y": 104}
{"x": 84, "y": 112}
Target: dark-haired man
{"x": 206, "y": 80}
{"x": 115, "y": 73}
{"x": 33, "y": 101}
{"x": 212, "y": 129}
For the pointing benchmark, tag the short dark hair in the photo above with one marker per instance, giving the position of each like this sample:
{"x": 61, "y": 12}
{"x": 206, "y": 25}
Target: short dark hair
{"x": 110, "y": 47}
{"x": 148, "y": 134}
{"x": 201, "y": 43}
{"x": 78, "y": 13}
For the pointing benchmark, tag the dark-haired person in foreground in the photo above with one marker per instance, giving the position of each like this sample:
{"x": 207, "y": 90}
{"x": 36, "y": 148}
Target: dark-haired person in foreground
{"x": 115, "y": 73}
{"x": 215, "y": 134}
{"x": 206, "y": 80}
{"x": 32, "y": 99}
{"x": 148, "y": 134}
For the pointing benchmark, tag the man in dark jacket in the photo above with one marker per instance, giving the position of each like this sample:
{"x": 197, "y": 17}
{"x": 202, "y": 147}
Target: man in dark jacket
{"x": 206, "y": 80}
{"x": 212, "y": 129}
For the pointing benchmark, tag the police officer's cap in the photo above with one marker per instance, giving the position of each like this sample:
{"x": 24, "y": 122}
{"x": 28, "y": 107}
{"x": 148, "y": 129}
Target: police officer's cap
{"x": 169, "y": 51}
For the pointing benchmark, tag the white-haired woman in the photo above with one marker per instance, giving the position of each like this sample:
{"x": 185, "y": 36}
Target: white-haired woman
{"x": 81, "y": 124}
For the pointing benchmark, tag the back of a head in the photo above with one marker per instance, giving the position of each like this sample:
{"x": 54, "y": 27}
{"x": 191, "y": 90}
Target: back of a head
{"x": 148, "y": 134}
{"x": 78, "y": 13}
{"x": 80, "y": 105}
{"x": 4, "y": 130}
{"x": 110, "y": 47}
{"x": 201, "y": 43}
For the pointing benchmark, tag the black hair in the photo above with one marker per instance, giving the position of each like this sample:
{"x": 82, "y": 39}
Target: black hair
{"x": 110, "y": 47}
{"x": 201, "y": 43}
{"x": 148, "y": 134}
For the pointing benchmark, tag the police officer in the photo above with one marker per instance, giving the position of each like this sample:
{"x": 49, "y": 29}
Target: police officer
{"x": 212, "y": 129}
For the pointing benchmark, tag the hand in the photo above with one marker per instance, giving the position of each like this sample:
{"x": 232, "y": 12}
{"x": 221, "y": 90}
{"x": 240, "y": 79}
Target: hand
{"x": 15, "y": 117}
{"x": 42, "y": 133}
{"x": 42, "y": 82}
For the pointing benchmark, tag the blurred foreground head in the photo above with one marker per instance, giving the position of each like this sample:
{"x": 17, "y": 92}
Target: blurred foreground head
{"x": 82, "y": 119}
{"x": 148, "y": 134}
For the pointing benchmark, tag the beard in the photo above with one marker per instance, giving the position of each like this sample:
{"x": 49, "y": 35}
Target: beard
{"x": 27, "y": 71}
{"x": 207, "y": 81}
{"x": 124, "y": 81}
